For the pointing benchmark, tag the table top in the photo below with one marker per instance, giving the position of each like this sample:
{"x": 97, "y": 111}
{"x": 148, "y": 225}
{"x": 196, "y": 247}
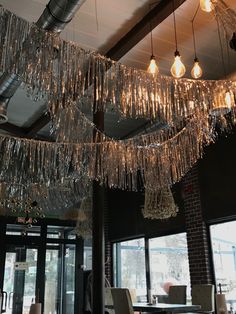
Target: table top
{"x": 164, "y": 307}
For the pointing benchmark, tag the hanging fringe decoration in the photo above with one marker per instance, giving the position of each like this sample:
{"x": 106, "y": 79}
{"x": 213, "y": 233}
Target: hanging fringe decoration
{"x": 72, "y": 74}
{"x": 226, "y": 15}
{"x": 159, "y": 158}
{"x": 84, "y": 220}
{"x": 159, "y": 204}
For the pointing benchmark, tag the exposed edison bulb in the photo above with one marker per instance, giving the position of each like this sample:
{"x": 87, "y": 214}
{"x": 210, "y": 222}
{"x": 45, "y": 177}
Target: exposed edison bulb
{"x": 196, "y": 70}
{"x": 206, "y": 5}
{"x": 228, "y": 100}
{"x": 153, "y": 68}
{"x": 178, "y": 68}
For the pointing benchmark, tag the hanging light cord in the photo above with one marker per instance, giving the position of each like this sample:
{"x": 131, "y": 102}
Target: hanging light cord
{"x": 151, "y": 40}
{"x": 221, "y": 45}
{"x": 150, "y": 24}
{"x": 173, "y": 4}
{"x": 194, "y": 41}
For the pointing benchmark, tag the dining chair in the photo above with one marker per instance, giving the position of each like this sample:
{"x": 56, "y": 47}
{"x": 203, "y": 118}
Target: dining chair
{"x": 108, "y": 300}
{"x": 203, "y": 295}
{"x": 122, "y": 301}
{"x": 177, "y": 294}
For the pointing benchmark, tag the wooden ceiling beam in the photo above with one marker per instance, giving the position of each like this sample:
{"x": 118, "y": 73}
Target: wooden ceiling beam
{"x": 151, "y": 20}
{"x": 40, "y": 123}
{"x": 13, "y": 129}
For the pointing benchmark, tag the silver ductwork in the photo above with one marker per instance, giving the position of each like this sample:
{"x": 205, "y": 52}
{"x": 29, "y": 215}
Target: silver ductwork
{"x": 8, "y": 86}
{"x": 56, "y": 15}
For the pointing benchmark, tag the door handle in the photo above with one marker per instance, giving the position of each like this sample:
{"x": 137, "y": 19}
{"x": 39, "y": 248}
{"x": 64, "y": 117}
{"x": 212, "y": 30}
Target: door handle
{"x": 10, "y": 298}
{"x": 4, "y": 302}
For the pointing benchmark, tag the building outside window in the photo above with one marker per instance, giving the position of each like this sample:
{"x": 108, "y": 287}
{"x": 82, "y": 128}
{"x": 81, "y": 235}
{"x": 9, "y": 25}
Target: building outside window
{"x": 224, "y": 257}
{"x": 169, "y": 263}
{"x": 129, "y": 267}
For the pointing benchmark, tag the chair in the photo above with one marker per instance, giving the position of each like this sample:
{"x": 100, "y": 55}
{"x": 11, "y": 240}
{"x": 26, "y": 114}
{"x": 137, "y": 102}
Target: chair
{"x": 108, "y": 300}
{"x": 203, "y": 294}
{"x": 177, "y": 295}
{"x": 122, "y": 301}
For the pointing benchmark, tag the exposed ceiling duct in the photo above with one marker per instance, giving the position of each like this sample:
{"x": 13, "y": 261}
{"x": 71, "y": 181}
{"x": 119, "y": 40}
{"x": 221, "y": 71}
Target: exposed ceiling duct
{"x": 8, "y": 85}
{"x": 56, "y": 15}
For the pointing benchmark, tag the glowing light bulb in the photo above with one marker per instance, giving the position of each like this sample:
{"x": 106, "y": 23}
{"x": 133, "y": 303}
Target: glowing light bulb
{"x": 196, "y": 70}
{"x": 228, "y": 100}
{"x": 178, "y": 68}
{"x": 153, "y": 68}
{"x": 206, "y": 5}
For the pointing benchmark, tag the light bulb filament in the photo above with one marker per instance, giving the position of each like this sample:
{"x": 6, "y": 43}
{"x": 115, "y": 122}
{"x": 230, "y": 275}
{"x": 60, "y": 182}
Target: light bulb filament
{"x": 206, "y": 5}
{"x": 178, "y": 68}
{"x": 153, "y": 68}
{"x": 196, "y": 70}
{"x": 228, "y": 99}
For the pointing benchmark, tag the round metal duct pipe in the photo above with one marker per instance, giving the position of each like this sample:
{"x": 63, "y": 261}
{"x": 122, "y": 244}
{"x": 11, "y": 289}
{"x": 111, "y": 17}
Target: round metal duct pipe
{"x": 56, "y": 15}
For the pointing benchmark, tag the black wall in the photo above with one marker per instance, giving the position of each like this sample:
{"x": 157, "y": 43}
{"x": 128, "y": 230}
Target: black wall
{"x": 127, "y": 221}
{"x": 218, "y": 179}
{"x": 217, "y": 175}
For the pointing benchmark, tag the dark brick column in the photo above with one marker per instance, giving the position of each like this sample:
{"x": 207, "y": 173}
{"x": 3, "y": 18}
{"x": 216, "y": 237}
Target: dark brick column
{"x": 108, "y": 245}
{"x": 197, "y": 236}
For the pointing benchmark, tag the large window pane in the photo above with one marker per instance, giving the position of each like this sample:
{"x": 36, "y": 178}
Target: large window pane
{"x": 130, "y": 267}
{"x": 169, "y": 263}
{"x": 224, "y": 257}
{"x": 88, "y": 254}
{"x": 69, "y": 279}
{"x": 51, "y": 281}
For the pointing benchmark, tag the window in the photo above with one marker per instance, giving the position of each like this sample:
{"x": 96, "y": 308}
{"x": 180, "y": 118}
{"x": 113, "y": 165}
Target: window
{"x": 169, "y": 263}
{"x": 129, "y": 267}
{"x": 224, "y": 258}
{"x": 88, "y": 254}
{"x": 61, "y": 232}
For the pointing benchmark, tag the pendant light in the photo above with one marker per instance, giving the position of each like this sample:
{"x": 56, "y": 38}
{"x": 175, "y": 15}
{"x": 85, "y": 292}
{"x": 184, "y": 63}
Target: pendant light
{"x": 196, "y": 71}
{"x": 152, "y": 68}
{"x": 227, "y": 96}
{"x": 206, "y": 5}
{"x": 178, "y": 68}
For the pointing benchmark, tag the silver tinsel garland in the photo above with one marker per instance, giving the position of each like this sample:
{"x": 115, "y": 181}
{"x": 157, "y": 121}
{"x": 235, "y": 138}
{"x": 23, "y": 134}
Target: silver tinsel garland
{"x": 160, "y": 158}
{"x": 30, "y": 53}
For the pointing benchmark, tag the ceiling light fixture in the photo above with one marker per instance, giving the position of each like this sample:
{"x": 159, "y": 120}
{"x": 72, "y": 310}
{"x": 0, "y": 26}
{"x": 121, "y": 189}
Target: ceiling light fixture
{"x": 206, "y": 5}
{"x": 152, "y": 68}
{"x": 178, "y": 68}
{"x": 196, "y": 71}
{"x": 226, "y": 95}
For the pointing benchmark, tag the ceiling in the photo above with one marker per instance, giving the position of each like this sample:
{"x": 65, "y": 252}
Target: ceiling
{"x": 99, "y": 25}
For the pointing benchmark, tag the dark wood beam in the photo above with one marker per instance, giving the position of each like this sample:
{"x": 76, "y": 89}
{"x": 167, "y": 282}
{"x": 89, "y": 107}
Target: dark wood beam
{"x": 151, "y": 20}
{"x": 155, "y": 16}
{"x": 13, "y": 129}
{"x": 38, "y": 124}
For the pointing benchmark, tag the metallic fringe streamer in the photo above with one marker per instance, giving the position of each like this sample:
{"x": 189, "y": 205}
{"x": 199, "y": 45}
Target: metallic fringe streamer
{"x": 65, "y": 71}
{"x": 115, "y": 163}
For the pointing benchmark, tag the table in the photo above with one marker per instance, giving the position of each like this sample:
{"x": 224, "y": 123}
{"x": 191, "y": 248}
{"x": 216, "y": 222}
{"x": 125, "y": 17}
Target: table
{"x": 164, "y": 307}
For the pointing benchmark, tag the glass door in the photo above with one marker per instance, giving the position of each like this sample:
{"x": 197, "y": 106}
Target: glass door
{"x": 20, "y": 278}
{"x": 60, "y": 279}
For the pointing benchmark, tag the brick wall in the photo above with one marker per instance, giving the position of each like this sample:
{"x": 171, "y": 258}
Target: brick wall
{"x": 197, "y": 236}
{"x": 108, "y": 246}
